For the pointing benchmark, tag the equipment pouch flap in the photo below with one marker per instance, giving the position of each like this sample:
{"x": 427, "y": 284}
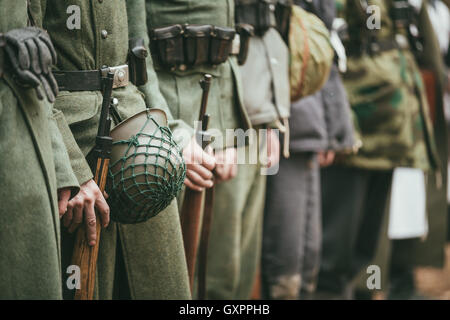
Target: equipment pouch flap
{"x": 78, "y": 106}
{"x": 197, "y": 31}
{"x": 166, "y": 32}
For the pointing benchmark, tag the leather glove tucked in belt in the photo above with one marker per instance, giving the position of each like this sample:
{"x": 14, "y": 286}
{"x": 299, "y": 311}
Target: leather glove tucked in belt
{"x": 31, "y": 55}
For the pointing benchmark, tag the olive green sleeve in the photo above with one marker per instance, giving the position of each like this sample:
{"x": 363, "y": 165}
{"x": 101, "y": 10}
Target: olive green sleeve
{"x": 137, "y": 28}
{"x": 65, "y": 177}
{"x": 78, "y": 162}
{"x": 80, "y": 168}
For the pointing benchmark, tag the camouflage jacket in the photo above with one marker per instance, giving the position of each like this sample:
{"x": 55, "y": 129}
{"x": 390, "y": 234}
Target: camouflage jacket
{"x": 388, "y": 99}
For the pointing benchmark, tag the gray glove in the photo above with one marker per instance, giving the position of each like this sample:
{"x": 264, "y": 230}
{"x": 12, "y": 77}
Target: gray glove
{"x": 32, "y": 55}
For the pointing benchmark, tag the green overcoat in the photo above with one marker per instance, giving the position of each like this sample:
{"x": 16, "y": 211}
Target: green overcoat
{"x": 33, "y": 165}
{"x": 153, "y": 254}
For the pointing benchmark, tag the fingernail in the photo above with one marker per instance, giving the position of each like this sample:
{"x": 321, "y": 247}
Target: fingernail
{"x": 92, "y": 243}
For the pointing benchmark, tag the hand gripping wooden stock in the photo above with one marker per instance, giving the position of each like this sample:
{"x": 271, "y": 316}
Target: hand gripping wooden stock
{"x": 191, "y": 211}
{"x": 84, "y": 255}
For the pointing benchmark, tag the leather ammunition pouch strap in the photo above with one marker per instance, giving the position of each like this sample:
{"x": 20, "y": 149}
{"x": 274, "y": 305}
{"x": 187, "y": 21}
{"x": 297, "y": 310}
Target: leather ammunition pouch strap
{"x": 185, "y": 46}
{"x": 90, "y": 80}
{"x": 258, "y": 13}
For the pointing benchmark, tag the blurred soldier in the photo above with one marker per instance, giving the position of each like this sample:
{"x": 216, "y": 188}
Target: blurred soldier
{"x": 265, "y": 75}
{"x": 138, "y": 261}
{"x": 34, "y": 162}
{"x": 387, "y": 96}
{"x": 320, "y": 125}
{"x": 408, "y": 253}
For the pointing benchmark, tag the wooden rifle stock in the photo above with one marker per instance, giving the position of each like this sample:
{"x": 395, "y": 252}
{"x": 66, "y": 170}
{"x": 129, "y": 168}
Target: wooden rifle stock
{"x": 191, "y": 211}
{"x": 84, "y": 255}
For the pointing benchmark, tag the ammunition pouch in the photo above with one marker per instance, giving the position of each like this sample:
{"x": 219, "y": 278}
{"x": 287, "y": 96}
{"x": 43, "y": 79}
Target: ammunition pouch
{"x": 258, "y": 13}
{"x": 137, "y": 61}
{"x": 167, "y": 46}
{"x": 187, "y": 46}
{"x": 197, "y": 44}
{"x": 221, "y": 44}
{"x": 245, "y": 32}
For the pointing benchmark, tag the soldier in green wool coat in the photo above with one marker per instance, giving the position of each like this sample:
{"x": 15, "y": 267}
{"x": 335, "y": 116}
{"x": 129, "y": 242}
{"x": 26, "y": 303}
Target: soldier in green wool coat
{"x": 235, "y": 242}
{"x": 234, "y": 251}
{"x": 140, "y": 261}
{"x": 33, "y": 164}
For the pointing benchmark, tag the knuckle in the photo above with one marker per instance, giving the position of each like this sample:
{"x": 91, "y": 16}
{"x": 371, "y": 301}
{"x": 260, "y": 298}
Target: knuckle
{"x": 92, "y": 222}
{"x": 78, "y": 204}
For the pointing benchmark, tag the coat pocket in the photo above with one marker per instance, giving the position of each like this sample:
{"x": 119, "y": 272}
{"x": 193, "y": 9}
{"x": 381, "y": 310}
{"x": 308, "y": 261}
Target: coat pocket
{"x": 78, "y": 106}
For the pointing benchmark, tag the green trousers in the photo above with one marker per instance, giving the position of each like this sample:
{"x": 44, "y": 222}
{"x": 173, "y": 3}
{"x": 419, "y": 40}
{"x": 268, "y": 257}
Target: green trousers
{"x": 236, "y": 235}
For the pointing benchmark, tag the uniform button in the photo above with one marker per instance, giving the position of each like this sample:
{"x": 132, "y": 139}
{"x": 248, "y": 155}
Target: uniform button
{"x": 104, "y": 34}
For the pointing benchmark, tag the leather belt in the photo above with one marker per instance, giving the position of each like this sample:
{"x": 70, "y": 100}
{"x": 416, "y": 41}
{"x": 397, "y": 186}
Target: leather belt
{"x": 91, "y": 80}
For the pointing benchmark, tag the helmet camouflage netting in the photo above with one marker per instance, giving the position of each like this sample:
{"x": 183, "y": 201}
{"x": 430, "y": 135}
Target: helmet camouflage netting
{"x": 147, "y": 170}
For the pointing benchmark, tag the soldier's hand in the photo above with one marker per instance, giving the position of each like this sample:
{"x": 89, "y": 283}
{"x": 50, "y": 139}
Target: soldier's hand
{"x": 326, "y": 158}
{"x": 63, "y": 200}
{"x": 32, "y": 55}
{"x": 226, "y": 164}
{"x": 199, "y": 165}
{"x": 81, "y": 209}
{"x": 273, "y": 148}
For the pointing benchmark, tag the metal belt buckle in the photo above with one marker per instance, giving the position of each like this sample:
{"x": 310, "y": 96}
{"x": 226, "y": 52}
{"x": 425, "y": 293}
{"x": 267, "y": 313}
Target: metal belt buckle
{"x": 121, "y": 75}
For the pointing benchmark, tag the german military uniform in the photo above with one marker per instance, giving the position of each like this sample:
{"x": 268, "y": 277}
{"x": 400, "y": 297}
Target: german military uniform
{"x": 386, "y": 95}
{"x": 265, "y": 81}
{"x": 292, "y": 220}
{"x": 138, "y": 261}
{"x": 34, "y": 164}
{"x": 183, "y": 28}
